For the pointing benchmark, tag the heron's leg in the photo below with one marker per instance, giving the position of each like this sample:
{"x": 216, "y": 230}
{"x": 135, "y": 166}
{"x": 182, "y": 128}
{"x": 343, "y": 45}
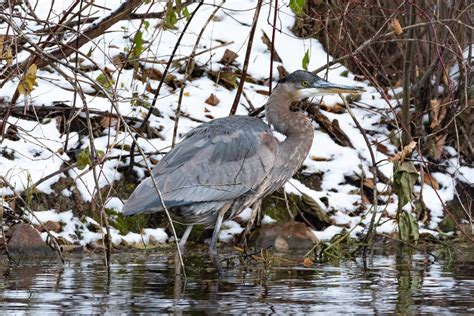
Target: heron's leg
{"x": 185, "y": 236}
{"x": 181, "y": 244}
{"x": 254, "y": 221}
{"x": 215, "y": 236}
{"x": 213, "y": 245}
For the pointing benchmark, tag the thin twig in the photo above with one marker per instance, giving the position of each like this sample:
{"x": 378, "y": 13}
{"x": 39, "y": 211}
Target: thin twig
{"x": 370, "y": 231}
{"x": 189, "y": 69}
{"x": 247, "y": 59}
{"x": 161, "y": 62}
{"x": 272, "y": 51}
{"x": 165, "y": 72}
{"x": 10, "y": 259}
{"x": 407, "y": 72}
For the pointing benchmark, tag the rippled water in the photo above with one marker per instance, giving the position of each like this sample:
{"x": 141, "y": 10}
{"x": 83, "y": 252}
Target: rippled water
{"x": 145, "y": 282}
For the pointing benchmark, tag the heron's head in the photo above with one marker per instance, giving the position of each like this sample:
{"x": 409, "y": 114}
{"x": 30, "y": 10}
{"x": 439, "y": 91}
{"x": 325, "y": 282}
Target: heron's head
{"x": 303, "y": 84}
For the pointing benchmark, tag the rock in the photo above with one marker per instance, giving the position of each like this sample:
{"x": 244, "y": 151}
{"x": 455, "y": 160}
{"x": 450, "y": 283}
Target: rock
{"x": 291, "y": 236}
{"x": 96, "y": 246}
{"x": 50, "y": 226}
{"x": 72, "y": 248}
{"x": 152, "y": 240}
{"x": 25, "y": 243}
{"x": 280, "y": 244}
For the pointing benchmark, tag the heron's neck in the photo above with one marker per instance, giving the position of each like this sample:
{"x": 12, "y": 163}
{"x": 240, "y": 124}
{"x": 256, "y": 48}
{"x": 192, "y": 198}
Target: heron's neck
{"x": 297, "y": 128}
{"x": 290, "y": 124}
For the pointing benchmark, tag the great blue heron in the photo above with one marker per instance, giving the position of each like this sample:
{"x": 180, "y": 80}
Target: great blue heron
{"x": 225, "y": 165}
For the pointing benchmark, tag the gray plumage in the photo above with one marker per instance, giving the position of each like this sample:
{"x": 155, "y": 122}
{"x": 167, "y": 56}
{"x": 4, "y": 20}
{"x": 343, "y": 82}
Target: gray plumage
{"x": 225, "y": 165}
{"x": 216, "y": 162}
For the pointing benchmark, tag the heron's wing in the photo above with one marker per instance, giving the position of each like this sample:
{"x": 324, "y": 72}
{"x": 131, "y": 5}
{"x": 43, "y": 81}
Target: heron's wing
{"x": 217, "y": 161}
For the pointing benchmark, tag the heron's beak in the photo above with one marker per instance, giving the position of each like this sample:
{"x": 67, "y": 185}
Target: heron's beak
{"x": 322, "y": 87}
{"x": 325, "y": 87}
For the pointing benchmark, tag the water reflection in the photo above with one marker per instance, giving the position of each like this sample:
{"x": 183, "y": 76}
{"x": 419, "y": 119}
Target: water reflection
{"x": 140, "y": 282}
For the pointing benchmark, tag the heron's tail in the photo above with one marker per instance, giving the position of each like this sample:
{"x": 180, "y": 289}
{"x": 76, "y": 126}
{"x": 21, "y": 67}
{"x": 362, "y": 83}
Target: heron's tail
{"x": 144, "y": 199}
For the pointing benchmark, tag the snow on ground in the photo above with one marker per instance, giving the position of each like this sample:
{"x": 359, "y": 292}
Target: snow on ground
{"x": 38, "y": 150}
{"x": 78, "y": 232}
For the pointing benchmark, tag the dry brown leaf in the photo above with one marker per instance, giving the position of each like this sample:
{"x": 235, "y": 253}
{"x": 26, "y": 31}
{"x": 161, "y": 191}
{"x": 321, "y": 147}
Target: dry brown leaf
{"x": 446, "y": 78}
{"x": 438, "y": 146}
{"x": 434, "y": 108}
{"x": 212, "y": 100}
{"x": 49, "y": 226}
{"x": 28, "y": 81}
{"x": 118, "y": 61}
{"x": 12, "y": 133}
{"x": 153, "y": 161}
{"x": 263, "y": 92}
{"x": 407, "y": 150}
{"x": 438, "y": 113}
{"x": 382, "y": 148}
{"x": 369, "y": 183}
{"x": 148, "y": 88}
{"x": 317, "y": 158}
{"x": 108, "y": 72}
{"x": 225, "y": 77}
{"x": 428, "y": 179}
{"x": 282, "y": 72}
{"x": 229, "y": 57}
{"x": 8, "y": 56}
{"x": 153, "y": 74}
{"x": 307, "y": 262}
{"x": 396, "y": 27}
{"x": 266, "y": 40}
{"x": 107, "y": 121}
{"x": 336, "y": 108}
{"x": 365, "y": 200}
{"x": 5, "y": 49}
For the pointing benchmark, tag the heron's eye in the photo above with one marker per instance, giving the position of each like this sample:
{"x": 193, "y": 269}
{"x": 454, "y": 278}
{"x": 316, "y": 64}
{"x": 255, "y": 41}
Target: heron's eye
{"x": 305, "y": 83}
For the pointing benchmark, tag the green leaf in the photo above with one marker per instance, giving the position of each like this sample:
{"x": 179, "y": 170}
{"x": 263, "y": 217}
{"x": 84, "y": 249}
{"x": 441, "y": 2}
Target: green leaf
{"x": 146, "y": 25}
{"x": 404, "y": 178}
{"x": 125, "y": 224}
{"x": 83, "y": 159}
{"x": 138, "y": 47}
{"x": 170, "y": 19}
{"x": 104, "y": 81}
{"x": 414, "y": 228}
{"x": 186, "y": 13}
{"x": 403, "y": 228}
{"x": 297, "y": 6}
{"x": 408, "y": 228}
{"x": 305, "y": 61}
